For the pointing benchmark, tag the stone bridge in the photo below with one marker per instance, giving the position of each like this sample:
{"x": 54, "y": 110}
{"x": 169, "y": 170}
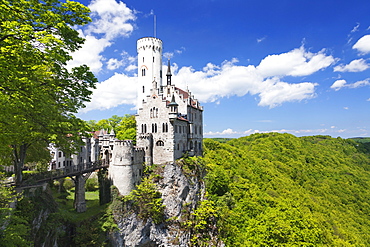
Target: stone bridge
{"x": 78, "y": 173}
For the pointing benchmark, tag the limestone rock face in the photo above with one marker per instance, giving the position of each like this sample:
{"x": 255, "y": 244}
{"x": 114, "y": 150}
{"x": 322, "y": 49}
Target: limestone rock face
{"x": 180, "y": 194}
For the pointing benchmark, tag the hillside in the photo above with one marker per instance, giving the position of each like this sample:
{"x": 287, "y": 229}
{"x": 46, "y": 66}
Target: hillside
{"x": 281, "y": 190}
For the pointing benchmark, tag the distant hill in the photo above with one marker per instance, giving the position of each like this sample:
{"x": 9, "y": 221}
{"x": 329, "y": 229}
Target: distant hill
{"x": 280, "y": 190}
{"x": 361, "y": 139}
{"x": 222, "y": 140}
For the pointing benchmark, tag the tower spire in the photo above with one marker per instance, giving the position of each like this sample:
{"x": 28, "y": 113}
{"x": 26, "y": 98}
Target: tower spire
{"x": 169, "y": 74}
{"x": 155, "y": 26}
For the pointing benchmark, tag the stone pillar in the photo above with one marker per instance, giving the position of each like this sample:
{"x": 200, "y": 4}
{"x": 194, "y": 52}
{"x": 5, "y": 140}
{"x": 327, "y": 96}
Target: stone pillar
{"x": 104, "y": 186}
{"x": 80, "y": 202}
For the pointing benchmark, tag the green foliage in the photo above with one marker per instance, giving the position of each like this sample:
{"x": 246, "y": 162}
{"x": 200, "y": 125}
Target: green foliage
{"x": 38, "y": 94}
{"x": 92, "y": 184}
{"x": 124, "y": 127}
{"x": 147, "y": 201}
{"x": 202, "y": 224}
{"x": 68, "y": 184}
{"x": 280, "y": 190}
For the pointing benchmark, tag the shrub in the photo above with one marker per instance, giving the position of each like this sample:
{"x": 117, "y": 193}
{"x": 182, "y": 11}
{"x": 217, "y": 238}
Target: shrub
{"x": 92, "y": 184}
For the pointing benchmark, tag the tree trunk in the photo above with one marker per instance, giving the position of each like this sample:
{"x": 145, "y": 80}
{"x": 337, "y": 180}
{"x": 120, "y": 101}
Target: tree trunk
{"x": 19, "y": 158}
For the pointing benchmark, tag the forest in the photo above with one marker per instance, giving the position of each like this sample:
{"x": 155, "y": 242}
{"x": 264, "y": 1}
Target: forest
{"x": 280, "y": 190}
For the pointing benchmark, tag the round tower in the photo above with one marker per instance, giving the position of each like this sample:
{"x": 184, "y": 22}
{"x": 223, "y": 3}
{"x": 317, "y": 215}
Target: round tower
{"x": 149, "y": 51}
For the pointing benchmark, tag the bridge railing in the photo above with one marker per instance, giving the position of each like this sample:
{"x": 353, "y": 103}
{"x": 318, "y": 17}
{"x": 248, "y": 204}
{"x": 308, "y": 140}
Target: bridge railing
{"x": 63, "y": 172}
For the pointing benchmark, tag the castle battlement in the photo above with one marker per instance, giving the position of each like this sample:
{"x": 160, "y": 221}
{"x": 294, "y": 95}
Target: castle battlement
{"x": 149, "y": 43}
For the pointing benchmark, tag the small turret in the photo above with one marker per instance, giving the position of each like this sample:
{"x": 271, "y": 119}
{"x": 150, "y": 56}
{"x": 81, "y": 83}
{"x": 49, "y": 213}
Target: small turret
{"x": 169, "y": 74}
{"x": 173, "y": 109}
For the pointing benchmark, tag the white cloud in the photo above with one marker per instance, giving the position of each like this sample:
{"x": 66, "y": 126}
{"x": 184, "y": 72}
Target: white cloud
{"x": 299, "y": 132}
{"x": 357, "y": 65}
{"x": 278, "y": 92}
{"x": 355, "y": 29}
{"x": 114, "y": 63}
{"x": 261, "y": 39}
{"x": 111, "y": 18}
{"x": 338, "y": 84}
{"x": 90, "y": 53}
{"x": 117, "y": 90}
{"x": 297, "y": 62}
{"x": 215, "y": 82}
{"x": 363, "y": 44}
{"x": 131, "y": 67}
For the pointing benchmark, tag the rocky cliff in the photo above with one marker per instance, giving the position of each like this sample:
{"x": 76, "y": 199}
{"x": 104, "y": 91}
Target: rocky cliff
{"x": 182, "y": 188}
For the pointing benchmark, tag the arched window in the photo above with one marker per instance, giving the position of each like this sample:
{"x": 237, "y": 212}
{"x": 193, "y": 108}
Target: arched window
{"x": 166, "y": 127}
{"x": 155, "y": 128}
{"x": 191, "y": 145}
{"x": 143, "y": 72}
{"x": 152, "y": 128}
{"x": 144, "y": 128}
{"x": 151, "y": 113}
{"x": 163, "y": 128}
{"x": 160, "y": 143}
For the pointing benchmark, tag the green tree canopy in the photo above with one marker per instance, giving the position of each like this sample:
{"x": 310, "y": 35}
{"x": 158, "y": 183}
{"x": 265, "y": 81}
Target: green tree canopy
{"x": 39, "y": 96}
{"x": 280, "y": 190}
{"x": 124, "y": 127}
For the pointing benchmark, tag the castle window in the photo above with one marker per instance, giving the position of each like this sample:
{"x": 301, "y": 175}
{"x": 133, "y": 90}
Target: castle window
{"x": 151, "y": 113}
{"x": 163, "y": 128}
{"x": 180, "y": 129}
{"x": 155, "y": 128}
{"x": 178, "y": 146}
{"x": 160, "y": 143}
{"x": 166, "y": 126}
{"x": 168, "y": 91}
{"x": 58, "y": 164}
{"x": 143, "y": 57}
{"x": 156, "y": 112}
{"x": 195, "y": 128}
{"x": 175, "y": 128}
{"x": 60, "y": 154}
{"x": 153, "y": 59}
{"x": 143, "y": 72}
{"x": 143, "y": 89}
{"x": 144, "y": 128}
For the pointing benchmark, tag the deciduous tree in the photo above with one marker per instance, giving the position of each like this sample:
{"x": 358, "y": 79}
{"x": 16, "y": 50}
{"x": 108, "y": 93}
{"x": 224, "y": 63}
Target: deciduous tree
{"x": 39, "y": 96}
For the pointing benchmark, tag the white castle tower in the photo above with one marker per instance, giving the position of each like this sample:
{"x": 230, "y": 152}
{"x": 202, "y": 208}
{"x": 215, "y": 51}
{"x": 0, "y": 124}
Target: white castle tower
{"x": 149, "y": 51}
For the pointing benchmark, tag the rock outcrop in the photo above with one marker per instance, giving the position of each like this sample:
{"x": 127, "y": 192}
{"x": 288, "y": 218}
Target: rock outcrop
{"x": 181, "y": 191}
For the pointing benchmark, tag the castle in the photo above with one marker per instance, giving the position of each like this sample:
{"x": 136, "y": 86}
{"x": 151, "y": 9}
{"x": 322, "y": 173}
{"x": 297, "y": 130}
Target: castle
{"x": 169, "y": 124}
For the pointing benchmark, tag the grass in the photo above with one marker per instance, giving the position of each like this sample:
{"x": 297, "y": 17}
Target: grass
{"x": 65, "y": 202}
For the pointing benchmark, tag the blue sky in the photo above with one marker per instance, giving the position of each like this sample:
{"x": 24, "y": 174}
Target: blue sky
{"x": 300, "y": 67}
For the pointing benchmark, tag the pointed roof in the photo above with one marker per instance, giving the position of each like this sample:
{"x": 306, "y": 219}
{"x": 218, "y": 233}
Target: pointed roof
{"x": 173, "y": 102}
{"x": 169, "y": 69}
{"x": 112, "y": 132}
